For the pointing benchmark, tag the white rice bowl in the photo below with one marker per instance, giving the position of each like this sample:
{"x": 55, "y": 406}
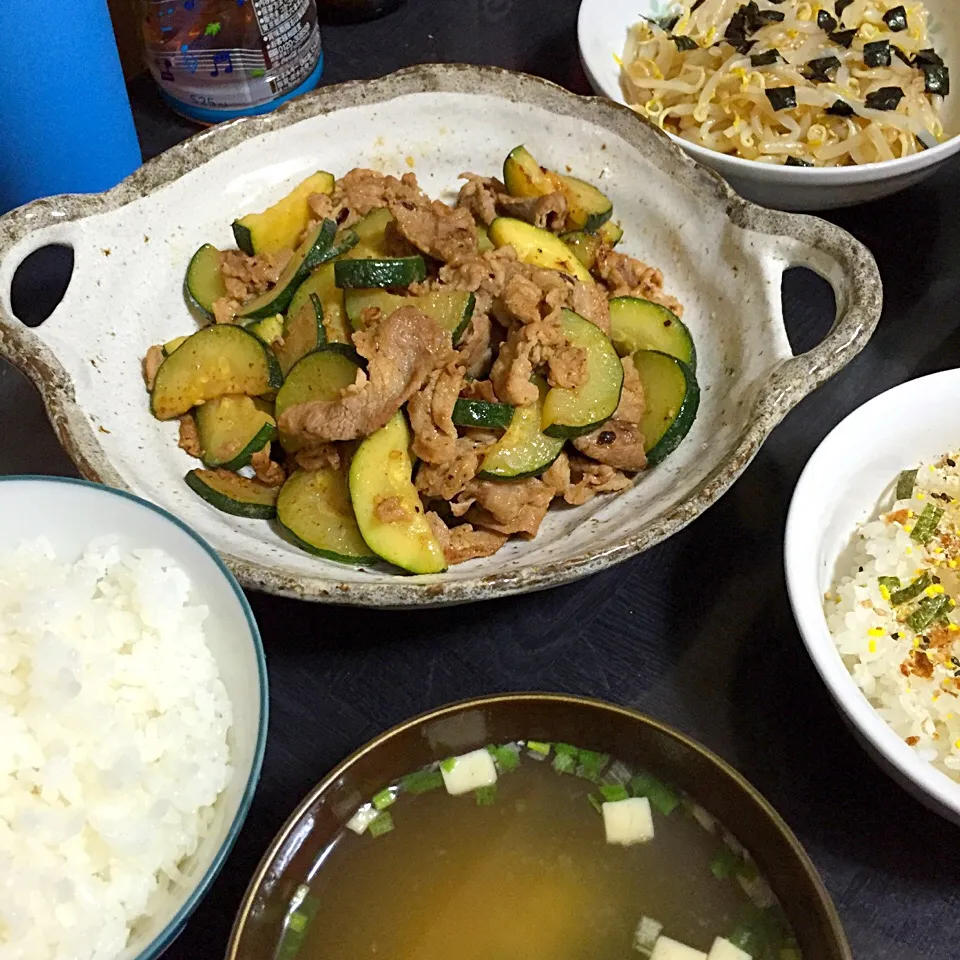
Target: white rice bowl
{"x": 910, "y": 676}
{"x": 113, "y": 745}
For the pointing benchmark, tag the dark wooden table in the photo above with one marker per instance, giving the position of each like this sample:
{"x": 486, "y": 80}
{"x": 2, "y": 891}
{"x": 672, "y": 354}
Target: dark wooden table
{"x": 696, "y": 632}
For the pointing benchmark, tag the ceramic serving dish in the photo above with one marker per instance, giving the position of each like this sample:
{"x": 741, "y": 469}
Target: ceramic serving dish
{"x": 297, "y": 852}
{"x": 848, "y": 476}
{"x": 602, "y": 31}
{"x": 721, "y": 256}
{"x": 71, "y": 513}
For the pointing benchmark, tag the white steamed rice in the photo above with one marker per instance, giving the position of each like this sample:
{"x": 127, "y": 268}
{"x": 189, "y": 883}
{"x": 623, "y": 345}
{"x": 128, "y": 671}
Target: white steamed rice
{"x": 911, "y": 677}
{"x": 113, "y": 744}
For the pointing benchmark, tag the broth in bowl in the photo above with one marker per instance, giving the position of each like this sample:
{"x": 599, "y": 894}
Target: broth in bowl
{"x": 534, "y": 850}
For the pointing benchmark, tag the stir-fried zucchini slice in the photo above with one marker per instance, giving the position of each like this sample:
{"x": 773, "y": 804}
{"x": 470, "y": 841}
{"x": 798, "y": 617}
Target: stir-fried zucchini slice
{"x": 320, "y": 375}
{"x": 451, "y": 309}
{"x": 203, "y": 284}
{"x": 573, "y": 412}
{"x": 482, "y": 413}
{"x": 637, "y": 324}
{"x": 371, "y": 232}
{"x": 234, "y": 494}
{"x": 523, "y": 450}
{"x": 395, "y": 272}
{"x": 387, "y": 506}
{"x": 267, "y": 329}
{"x": 587, "y": 208}
{"x": 323, "y": 283}
{"x": 231, "y": 430}
{"x": 280, "y": 227}
{"x": 213, "y": 362}
{"x": 172, "y": 345}
{"x": 317, "y": 248}
{"x": 301, "y": 334}
{"x": 315, "y": 512}
{"x": 672, "y": 396}
{"x": 537, "y": 247}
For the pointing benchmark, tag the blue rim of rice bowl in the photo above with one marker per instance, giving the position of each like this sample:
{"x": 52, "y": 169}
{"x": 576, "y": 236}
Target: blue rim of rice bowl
{"x": 175, "y": 927}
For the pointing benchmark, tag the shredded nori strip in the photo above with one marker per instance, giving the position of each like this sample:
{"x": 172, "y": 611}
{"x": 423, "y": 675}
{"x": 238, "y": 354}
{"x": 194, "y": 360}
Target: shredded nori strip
{"x": 928, "y": 58}
{"x": 840, "y": 108}
{"x": 877, "y": 54}
{"x": 669, "y": 23}
{"x": 912, "y": 590}
{"x": 782, "y": 98}
{"x": 926, "y": 525}
{"x": 886, "y": 98}
{"x": 928, "y": 610}
{"x": 819, "y": 70}
{"x": 736, "y": 32}
{"x": 896, "y": 19}
{"x": 826, "y": 22}
{"x": 763, "y": 17}
{"x": 796, "y": 162}
{"x": 843, "y": 38}
{"x": 685, "y": 43}
{"x": 765, "y": 59}
{"x": 906, "y": 481}
{"x": 937, "y": 79}
{"x": 697, "y": 4}
{"x": 840, "y": 6}
{"x": 891, "y": 583}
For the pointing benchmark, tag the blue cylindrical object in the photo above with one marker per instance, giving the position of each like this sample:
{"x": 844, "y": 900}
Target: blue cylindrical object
{"x": 65, "y": 120}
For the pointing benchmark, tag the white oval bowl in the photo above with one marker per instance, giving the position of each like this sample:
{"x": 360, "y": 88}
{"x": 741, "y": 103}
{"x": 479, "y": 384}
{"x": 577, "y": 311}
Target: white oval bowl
{"x": 842, "y": 486}
{"x": 71, "y": 513}
{"x": 602, "y": 32}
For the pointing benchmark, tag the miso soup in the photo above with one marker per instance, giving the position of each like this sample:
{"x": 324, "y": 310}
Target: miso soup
{"x": 534, "y": 851}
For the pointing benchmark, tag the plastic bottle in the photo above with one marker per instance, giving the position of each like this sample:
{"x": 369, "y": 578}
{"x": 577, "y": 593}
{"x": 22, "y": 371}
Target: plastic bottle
{"x": 65, "y": 121}
{"x": 218, "y": 59}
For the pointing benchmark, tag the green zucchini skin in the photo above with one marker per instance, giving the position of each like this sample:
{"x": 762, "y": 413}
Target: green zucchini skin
{"x": 234, "y": 495}
{"x": 203, "y": 282}
{"x": 482, "y": 413}
{"x": 673, "y": 399}
{"x": 397, "y": 272}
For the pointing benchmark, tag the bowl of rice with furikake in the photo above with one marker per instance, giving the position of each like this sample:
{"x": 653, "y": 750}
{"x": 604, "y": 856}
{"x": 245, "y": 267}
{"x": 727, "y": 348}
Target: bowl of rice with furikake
{"x": 133, "y": 719}
{"x": 873, "y": 568}
{"x": 800, "y": 105}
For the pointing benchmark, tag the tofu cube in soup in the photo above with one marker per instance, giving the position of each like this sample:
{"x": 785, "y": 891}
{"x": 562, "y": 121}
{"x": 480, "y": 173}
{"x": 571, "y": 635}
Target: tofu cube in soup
{"x": 628, "y": 821}
{"x": 468, "y": 772}
{"x": 725, "y": 950}
{"x": 667, "y": 949}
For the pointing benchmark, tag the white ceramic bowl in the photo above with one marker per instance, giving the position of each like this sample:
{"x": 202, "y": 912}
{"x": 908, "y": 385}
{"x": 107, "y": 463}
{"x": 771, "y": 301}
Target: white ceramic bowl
{"x": 602, "y": 31}
{"x": 842, "y": 485}
{"x": 71, "y": 513}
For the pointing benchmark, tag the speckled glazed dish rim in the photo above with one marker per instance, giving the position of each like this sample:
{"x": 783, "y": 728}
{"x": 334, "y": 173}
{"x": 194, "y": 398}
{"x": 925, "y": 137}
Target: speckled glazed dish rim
{"x": 786, "y": 386}
{"x": 549, "y": 717}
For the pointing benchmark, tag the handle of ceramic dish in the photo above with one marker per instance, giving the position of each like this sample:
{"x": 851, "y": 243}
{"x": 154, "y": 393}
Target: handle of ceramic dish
{"x": 851, "y": 271}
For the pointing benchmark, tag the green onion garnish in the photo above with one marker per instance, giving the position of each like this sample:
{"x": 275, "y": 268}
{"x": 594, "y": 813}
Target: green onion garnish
{"x": 565, "y": 758}
{"x": 613, "y": 792}
{"x": 384, "y": 798}
{"x": 486, "y": 795}
{"x": 912, "y": 590}
{"x": 423, "y": 781}
{"x": 381, "y": 825}
{"x": 905, "y": 484}
{"x": 448, "y": 765}
{"x": 724, "y": 864}
{"x": 507, "y": 758}
{"x": 592, "y": 764}
{"x": 537, "y": 746}
{"x": 596, "y": 802}
{"x": 656, "y": 791}
{"x": 295, "y": 924}
{"x": 926, "y": 525}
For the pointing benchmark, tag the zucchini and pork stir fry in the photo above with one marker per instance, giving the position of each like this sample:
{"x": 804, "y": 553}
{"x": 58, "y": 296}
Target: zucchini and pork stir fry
{"x": 393, "y": 377}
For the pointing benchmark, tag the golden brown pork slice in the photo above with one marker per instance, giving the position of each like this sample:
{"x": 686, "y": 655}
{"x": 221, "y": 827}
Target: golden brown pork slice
{"x": 464, "y": 542}
{"x": 430, "y": 411}
{"x": 401, "y": 351}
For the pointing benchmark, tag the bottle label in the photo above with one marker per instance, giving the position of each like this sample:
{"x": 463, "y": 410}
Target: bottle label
{"x": 231, "y": 54}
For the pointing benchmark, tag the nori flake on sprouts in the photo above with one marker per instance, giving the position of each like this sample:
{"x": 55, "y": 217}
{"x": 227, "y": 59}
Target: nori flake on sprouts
{"x": 896, "y": 19}
{"x": 840, "y": 6}
{"x": 886, "y": 98}
{"x": 782, "y": 98}
{"x": 765, "y": 59}
{"x": 685, "y": 43}
{"x": 937, "y": 79}
{"x": 820, "y": 70}
{"x": 669, "y": 23}
{"x": 877, "y": 54}
{"x": 928, "y": 58}
{"x": 797, "y": 162}
{"x": 840, "y": 108}
{"x": 697, "y": 5}
{"x": 900, "y": 55}
{"x": 747, "y": 19}
{"x": 843, "y": 38}
{"x": 826, "y": 22}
